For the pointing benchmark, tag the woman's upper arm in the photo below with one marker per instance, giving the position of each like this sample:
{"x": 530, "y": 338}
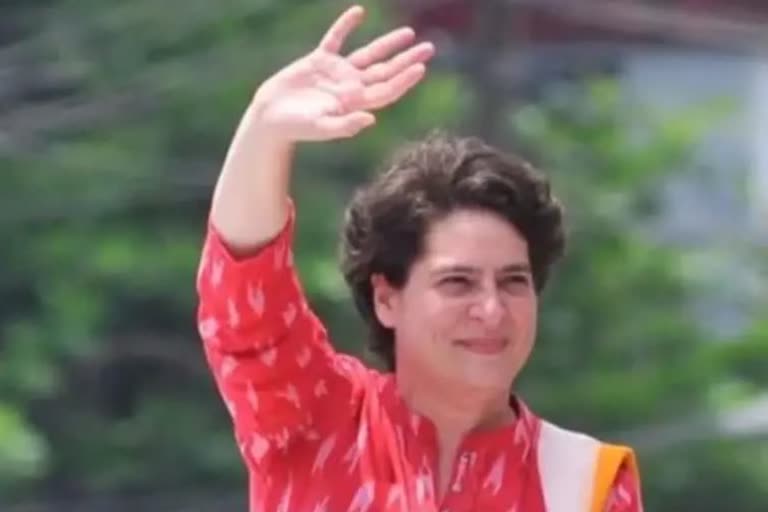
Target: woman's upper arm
{"x": 270, "y": 355}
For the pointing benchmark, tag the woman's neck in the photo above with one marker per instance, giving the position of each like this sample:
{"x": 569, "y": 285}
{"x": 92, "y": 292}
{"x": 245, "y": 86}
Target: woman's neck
{"x": 454, "y": 409}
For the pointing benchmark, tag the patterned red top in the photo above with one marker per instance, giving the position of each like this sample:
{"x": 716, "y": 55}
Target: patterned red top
{"x": 319, "y": 431}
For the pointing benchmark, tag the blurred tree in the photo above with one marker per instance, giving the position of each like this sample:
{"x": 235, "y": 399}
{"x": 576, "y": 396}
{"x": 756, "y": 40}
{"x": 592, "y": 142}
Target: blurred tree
{"x": 105, "y": 198}
{"x": 620, "y": 345}
{"x": 108, "y": 169}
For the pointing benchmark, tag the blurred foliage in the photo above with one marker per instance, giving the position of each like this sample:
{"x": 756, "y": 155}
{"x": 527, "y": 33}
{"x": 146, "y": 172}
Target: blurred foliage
{"x": 618, "y": 328}
{"x": 122, "y": 114}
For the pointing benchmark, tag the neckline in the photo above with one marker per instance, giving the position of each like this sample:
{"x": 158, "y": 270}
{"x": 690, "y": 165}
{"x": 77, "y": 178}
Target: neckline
{"x": 520, "y": 429}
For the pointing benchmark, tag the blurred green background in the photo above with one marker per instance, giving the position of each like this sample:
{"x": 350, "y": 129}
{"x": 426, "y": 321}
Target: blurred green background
{"x": 650, "y": 117}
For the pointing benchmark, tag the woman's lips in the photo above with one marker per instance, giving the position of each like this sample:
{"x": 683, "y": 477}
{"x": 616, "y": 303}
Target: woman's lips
{"x": 485, "y": 346}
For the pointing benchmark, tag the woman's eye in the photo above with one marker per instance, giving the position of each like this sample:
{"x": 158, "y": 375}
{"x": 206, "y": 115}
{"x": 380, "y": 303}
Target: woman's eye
{"x": 517, "y": 280}
{"x": 455, "y": 283}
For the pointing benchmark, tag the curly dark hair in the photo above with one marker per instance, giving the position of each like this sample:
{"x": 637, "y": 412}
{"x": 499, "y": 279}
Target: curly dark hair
{"x": 386, "y": 221}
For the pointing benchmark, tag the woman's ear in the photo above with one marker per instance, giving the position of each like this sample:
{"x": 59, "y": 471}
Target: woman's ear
{"x": 385, "y": 300}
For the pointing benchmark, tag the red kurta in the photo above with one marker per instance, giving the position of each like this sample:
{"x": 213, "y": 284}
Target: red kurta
{"x": 320, "y": 432}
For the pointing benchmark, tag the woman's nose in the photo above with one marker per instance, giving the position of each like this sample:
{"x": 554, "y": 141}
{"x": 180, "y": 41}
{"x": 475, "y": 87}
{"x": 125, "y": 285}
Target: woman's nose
{"x": 489, "y": 309}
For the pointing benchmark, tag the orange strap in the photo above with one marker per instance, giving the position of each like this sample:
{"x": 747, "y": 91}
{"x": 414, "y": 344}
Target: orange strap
{"x": 609, "y": 460}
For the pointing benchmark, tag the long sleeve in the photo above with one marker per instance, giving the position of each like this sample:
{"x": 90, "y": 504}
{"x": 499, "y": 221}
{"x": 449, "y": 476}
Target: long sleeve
{"x": 625, "y": 494}
{"x": 269, "y": 354}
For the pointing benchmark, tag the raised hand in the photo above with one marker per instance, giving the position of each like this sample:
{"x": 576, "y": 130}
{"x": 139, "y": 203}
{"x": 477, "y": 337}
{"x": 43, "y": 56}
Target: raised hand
{"x": 322, "y": 96}
{"x": 326, "y": 95}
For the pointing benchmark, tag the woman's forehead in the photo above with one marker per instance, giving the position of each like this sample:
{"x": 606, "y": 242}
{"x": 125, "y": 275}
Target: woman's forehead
{"x": 470, "y": 232}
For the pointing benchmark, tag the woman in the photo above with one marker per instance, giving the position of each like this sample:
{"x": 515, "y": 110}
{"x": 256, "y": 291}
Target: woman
{"x": 445, "y": 253}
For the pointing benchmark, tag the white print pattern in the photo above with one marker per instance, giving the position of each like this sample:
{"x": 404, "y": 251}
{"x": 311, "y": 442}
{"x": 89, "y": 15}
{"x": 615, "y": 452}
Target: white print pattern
{"x": 285, "y": 502}
{"x": 362, "y": 436}
{"x": 351, "y": 458}
{"x": 228, "y": 366}
{"x": 231, "y": 407}
{"x": 400, "y": 437}
{"x": 521, "y": 435}
{"x": 363, "y": 498}
{"x": 289, "y": 314}
{"x": 253, "y": 398}
{"x": 269, "y": 356}
{"x": 291, "y": 395}
{"x": 424, "y": 488}
{"x": 297, "y": 408}
{"x": 208, "y": 328}
{"x": 304, "y": 357}
{"x": 202, "y": 268}
{"x": 259, "y": 447}
{"x": 496, "y": 475}
{"x": 256, "y": 299}
{"x": 622, "y": 493}
{"x": 395, "y": 495}
{"x": 323, "y": 453}
{"x": 322, "y": 505}
{"x": 320, "y": 389}
{"x": 460, "y": 472}
{"x": 217, "y": 273}
{"x": 281, "y": 439}
{"x": 233, "y": 315}
{"x": 620, "y": 498}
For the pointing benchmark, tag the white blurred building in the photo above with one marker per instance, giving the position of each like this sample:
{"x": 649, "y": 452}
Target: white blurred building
{"x": 733, "y": 199}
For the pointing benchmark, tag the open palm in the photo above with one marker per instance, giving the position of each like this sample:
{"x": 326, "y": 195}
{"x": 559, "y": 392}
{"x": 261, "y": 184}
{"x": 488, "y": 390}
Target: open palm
{"x": 325, "y": 95}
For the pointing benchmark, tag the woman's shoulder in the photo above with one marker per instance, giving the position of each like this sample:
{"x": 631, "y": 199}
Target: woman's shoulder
{"x": 576, "y": 465}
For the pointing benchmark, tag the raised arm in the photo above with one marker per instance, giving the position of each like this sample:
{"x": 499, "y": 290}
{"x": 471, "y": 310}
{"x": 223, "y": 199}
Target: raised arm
{"x": 269, "y": 353}
{"x": 321, "y": 96}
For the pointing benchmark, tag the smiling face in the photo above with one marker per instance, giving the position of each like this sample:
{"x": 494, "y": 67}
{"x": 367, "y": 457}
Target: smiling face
{"x": 467, "y": 312}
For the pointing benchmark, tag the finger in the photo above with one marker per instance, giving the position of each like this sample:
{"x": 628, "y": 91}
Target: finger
{"x": 344, "y": 126}
{"x": 381, "y": 47}
{"x": 335, "y": 68}
{"x": 385, "y": 93}
{"x": 348, "y": 94}
{"x": 386, "y": 70}
{"x": 341, "y": 28}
